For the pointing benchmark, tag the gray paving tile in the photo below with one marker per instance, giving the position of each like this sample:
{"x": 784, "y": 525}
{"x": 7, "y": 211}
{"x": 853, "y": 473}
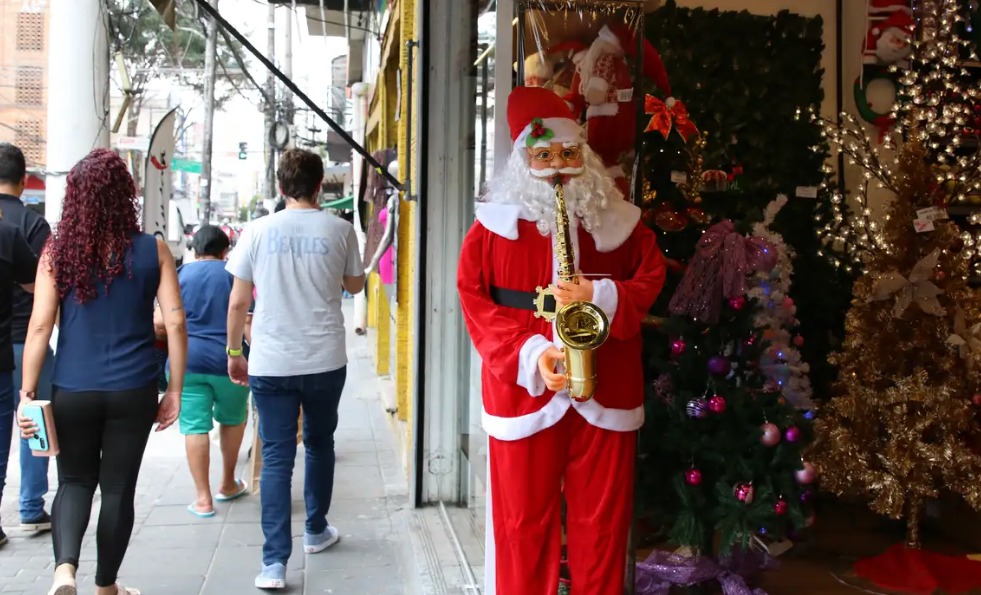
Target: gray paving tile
{"x": 361, "y": 581}
{"x": 355, "y": 553}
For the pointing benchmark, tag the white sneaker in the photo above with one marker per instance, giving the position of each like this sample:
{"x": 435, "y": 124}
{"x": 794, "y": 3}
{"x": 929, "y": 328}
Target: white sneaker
{"x": 313, "y": 544}
{"x": 272, "y": 577}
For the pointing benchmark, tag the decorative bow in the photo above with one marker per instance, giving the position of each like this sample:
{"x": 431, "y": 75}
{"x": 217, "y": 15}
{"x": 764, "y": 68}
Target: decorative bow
{"x": 917, "y": 288}
{"x": 967, "y": 340}
{"x": 664, "y": 116}
{"x": 717, "y": 271}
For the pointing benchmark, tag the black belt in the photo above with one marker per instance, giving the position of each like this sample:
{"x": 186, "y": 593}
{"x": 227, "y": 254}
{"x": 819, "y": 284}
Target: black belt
{"x": 522, "y": 300}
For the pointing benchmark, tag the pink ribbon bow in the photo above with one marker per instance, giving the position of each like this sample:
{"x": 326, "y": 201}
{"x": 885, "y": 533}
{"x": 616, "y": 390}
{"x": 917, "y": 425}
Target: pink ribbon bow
{"x": 718, "y": 270}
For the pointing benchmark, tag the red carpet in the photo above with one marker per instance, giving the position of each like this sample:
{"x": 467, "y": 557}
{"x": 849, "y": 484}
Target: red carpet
{"x": 920, "y": 571}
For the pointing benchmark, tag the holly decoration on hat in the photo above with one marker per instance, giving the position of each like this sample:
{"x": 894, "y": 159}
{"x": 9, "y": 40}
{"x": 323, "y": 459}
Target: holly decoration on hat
{"x": 538, "y": 133}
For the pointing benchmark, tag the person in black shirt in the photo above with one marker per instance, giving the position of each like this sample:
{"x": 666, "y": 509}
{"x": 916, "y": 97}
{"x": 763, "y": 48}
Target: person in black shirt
{"x": 33, "y": 470}
{"x": 18, "y": 265}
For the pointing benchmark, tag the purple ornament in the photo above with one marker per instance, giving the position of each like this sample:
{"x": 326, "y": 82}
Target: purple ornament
{"x": 792, "y": 434}
{"x": 744, "y": 492}
{"x": 718, "y": 365}
{"x": 677, "y": 348}
{"x": 806, "y": 496}
{"x": 807, "y": 474}
{"x": 697, "y": 408}
{"x": 717, "y": 404}
{"x": 771, "y": 434}
{"x": 693, "y": 477}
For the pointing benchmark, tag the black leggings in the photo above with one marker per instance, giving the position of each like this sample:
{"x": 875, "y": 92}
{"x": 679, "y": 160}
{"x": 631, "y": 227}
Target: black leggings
{"x": 102, "y": 436}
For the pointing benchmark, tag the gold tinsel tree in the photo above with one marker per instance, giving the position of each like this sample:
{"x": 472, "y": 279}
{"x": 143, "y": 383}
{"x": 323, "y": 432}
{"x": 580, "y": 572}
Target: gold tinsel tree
{"x": 900, "y": 424}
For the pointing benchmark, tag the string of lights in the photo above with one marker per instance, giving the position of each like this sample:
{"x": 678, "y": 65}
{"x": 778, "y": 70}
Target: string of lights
{"x": 937, "y": 99}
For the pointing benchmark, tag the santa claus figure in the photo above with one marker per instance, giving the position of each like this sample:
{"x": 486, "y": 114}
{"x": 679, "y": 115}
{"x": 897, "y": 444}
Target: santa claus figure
{"x": 538, "y": 70}
{"x": 605, "y": 88}
{"x": 890, "y": 41}
{"x": 543, "y": 445}
{"x": 555, "y": 67}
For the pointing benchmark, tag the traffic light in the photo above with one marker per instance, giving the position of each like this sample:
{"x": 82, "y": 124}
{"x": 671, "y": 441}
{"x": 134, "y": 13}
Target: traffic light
{"x": 243, "y": 151}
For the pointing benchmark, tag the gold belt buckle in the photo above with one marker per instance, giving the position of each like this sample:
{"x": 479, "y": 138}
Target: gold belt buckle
{"x": 540, "y": 311}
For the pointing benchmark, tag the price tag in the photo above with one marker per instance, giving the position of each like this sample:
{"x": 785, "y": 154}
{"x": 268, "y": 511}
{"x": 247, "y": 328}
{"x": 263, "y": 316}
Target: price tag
{"x": 806, "y": 191}
{"x": 923, "y": 225}
{"x": 932, "y": 214}
{"x": 679, "y": 177}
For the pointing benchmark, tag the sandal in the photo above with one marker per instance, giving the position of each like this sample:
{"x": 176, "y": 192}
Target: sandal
{"x": 121, "y": 590}
{"x": 193, "y": 509}
{"x": 243, "y": 488}
{"x": 64, "y": 589}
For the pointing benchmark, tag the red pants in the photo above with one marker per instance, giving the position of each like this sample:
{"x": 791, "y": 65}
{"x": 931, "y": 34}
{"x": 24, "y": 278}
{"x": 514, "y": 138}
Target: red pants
{"x": 594, "y": 469}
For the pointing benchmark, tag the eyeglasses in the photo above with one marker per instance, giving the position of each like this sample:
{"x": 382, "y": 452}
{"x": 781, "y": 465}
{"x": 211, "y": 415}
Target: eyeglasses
{"x": 548, "y": 155}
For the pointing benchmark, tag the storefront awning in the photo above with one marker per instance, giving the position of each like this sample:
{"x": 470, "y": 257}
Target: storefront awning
{"x": 341, "y": 204}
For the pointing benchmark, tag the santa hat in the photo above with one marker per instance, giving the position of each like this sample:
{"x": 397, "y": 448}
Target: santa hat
{"x": 900, "y": 19}
{"x": 538, "y": 117}
{"x": 624, "y": 39}
{"x": 886, "y": 6}
{"x": 538, "y": 66}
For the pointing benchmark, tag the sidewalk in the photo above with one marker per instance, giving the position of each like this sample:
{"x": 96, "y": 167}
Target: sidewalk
{"x": 174, "y": 553}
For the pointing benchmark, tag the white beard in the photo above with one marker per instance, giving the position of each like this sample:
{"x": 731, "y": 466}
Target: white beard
{"x": 888, "y": 53}
{"x": 586, "y": 194}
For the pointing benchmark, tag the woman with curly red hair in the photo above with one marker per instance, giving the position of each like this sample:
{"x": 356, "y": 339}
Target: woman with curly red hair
{"x": 98, "y": 278}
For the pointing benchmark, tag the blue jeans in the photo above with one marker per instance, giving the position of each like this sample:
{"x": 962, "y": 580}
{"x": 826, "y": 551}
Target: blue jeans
{"x": 7, "y": 407}
{"x": 278, "y": 401}
{"x": 33, "y": 470}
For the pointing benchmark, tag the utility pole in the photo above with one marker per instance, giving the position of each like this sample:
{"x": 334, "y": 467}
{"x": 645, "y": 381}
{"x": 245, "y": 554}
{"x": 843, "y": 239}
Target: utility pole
{"x": 270, "y": 108}
{"x": 78, "y": 66}
{"x": 288, "y": 71}
{"x": 210, "y": 74}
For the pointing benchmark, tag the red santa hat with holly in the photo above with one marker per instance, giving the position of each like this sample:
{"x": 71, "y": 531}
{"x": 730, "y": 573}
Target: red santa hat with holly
{"x": 537, "y": 118}
{"x": 890, "y": 41}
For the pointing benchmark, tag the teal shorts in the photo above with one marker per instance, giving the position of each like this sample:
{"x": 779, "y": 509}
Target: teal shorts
{"x": 208, "y": 398}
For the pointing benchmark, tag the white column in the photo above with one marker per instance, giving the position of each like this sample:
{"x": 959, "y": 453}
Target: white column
{"x": 360, "y": 92}
{"x": 78, "y": 91}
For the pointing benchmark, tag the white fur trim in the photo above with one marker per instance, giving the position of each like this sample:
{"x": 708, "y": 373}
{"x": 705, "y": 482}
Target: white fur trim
{"x": 602, "y": 109}
{"x": 563, "y": 130}
{"x": 616, "y": 420}
{"x": 537, "y": 65}
{"x": 528, "y": 376}
{"x": 617, "y": 222}
{"x": 501, "y": 218}
{"x": 606, "y": 297}
{"x": 522, "y": 426}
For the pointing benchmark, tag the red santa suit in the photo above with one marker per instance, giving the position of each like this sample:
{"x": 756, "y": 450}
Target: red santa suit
{"x": 542, "y": 444}
{"x": 605, "y": 86}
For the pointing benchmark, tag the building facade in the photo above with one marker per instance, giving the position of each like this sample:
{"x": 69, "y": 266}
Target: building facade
{"x": 23, "y": 76}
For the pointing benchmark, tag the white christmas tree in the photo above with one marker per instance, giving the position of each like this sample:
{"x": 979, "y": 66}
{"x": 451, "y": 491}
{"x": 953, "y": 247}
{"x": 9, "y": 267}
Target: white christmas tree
{"x": 781, "y": 363}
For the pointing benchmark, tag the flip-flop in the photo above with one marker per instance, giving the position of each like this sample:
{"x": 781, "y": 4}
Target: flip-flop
{"x": 201, "y": 515}
{"x": 121, "y": 590}
{"x": 243, "y": 490}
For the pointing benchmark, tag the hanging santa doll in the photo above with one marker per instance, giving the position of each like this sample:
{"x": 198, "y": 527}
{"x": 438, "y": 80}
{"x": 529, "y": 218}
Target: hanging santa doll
{"x": 555, "y": 67}
{"x": 890, "y": 41}
{"x": 538, "y": 70}
{"x": 603, "y": 84}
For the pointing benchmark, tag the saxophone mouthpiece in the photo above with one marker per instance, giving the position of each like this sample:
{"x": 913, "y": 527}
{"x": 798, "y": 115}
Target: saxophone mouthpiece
{"x": 558, "y": 180}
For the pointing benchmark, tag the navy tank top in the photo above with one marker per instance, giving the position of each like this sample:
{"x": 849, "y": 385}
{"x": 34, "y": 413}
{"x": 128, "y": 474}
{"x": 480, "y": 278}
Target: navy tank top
{"x": 106, "y": 344}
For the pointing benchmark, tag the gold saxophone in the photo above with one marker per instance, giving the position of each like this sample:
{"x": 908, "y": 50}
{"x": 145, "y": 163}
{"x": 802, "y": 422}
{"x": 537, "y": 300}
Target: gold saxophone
{"x": 581, "y": 326}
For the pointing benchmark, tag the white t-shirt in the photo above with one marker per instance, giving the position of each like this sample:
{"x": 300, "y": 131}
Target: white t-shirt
{"x": 297, "y": 259}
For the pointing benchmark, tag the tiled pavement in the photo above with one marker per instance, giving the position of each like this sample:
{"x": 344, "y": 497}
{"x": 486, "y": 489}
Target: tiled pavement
{"x": 174, "y": 553}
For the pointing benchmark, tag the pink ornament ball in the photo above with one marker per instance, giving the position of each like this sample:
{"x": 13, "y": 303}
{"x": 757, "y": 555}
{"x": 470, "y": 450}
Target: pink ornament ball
{"x": 780, "y": 508}
{"x": 771, "y": 434}
{"x": 677, "y": 348}
{"x": 738, "y": 302}
{"x": 788, "y": 302}
{"x": 744, "y": 492}
{"x": 718, "y": 365}
{"x": 810, "y": 521}
{"x": 693, "y": 477}
{"x": 717, "y": 404}
{"x": 807, "y": 474}
{"x": 792, "y": 434}
{"x": 799, "y": 341}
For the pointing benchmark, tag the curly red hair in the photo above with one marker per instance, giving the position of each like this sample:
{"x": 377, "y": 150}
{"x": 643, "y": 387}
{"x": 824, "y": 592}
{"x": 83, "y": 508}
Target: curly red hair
{"x": 100, "y": 215}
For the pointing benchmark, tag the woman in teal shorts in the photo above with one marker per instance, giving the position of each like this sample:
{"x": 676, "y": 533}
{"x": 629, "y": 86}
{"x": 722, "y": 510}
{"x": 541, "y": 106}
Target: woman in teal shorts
{"x": 209, "y": 396}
